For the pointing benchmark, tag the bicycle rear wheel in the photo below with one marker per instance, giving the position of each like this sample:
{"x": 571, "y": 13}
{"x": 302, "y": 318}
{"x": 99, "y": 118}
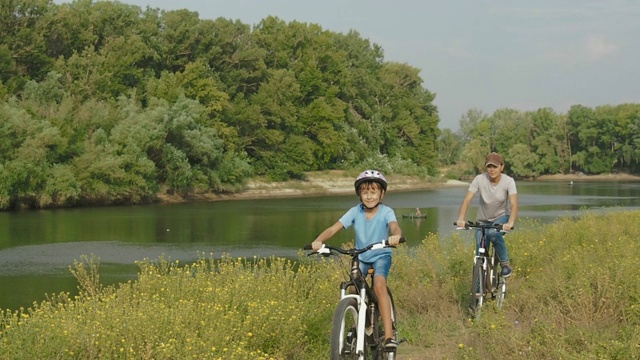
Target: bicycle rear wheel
{"x": 344, "y": 330}
{"x": 477, "y": 288}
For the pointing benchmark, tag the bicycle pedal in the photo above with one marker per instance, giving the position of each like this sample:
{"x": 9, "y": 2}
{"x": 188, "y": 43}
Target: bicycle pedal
{"x": 403, "y": 340}
{"x": 368, "y": 330}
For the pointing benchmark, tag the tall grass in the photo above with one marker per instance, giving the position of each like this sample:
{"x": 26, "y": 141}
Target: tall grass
{"x": 575, "y": 295}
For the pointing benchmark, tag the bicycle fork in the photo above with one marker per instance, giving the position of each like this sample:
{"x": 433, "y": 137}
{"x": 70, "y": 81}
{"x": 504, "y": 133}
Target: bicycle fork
{"x": 362, "y": 315}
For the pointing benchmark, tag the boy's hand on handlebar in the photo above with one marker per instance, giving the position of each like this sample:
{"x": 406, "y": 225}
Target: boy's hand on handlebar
{"x": 394, "y": 240}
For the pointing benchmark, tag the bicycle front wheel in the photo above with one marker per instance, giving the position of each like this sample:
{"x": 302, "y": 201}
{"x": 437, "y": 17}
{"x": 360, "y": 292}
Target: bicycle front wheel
{"x": 501, "y": 290}
{"x": 498, "y": 284}
{"x": 477, "y": 287}
{"x": 344, "y": 330}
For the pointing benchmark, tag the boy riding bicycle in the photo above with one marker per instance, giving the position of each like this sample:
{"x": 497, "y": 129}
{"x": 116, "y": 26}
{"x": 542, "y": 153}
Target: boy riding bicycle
{"x": 498, "y": 205}
{"x": 372, "y": 222}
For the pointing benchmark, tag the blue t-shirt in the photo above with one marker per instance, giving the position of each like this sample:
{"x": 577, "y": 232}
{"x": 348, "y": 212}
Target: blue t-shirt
{"x": 369, "y": 231}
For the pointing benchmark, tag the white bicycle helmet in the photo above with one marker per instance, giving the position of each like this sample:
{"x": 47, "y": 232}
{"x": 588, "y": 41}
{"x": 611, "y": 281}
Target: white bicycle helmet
{"x": 370, "y": 175}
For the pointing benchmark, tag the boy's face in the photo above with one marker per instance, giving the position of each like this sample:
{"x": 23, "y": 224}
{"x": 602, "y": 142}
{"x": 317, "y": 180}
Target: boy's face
{"x": 371, "y": 194}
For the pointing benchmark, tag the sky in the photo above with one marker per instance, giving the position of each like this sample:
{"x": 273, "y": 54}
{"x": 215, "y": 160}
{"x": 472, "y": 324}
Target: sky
{"x": 479, "y": 54}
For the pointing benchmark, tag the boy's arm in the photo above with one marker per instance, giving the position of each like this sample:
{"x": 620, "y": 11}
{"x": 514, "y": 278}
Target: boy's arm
{"x": 326, "y": 234}
{"x": 396, "y": 233}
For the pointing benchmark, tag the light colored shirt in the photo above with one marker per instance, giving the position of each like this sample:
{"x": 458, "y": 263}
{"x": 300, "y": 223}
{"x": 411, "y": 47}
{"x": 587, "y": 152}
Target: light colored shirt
{"x": 369, "y": 231}
{"x": 494, "y": 198}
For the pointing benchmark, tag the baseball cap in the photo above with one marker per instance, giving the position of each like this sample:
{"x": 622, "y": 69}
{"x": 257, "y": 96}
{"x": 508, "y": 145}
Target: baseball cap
{"x": 494, "y": 159}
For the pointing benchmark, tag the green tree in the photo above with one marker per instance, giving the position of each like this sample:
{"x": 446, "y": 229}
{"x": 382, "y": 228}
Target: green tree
{"x": 470, "y": 124}
{"x": 547, "y": 141}
{"x": 592, "y": 140}
{"x": 473, "y": 156}
{"x": 512, "y": 127}
{"x": 449, "y": 147}
{"x": 522, "y": 162}
{"x": 23, "y": 28}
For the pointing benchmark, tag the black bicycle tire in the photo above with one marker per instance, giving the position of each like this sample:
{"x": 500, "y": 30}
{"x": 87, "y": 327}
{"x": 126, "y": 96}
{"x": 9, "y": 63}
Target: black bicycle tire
{"x": 498, "y": 283}
{"x": 501, "y": 289}
{"x": 341, "y": 325}
{"x": 495, "y": 276}
{"x": 392, "y": 355}
{"x": 477, "y": 287}
{"x": 378, "y": 334}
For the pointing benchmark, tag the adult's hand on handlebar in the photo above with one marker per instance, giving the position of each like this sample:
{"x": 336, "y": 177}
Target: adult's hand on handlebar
{"x": 461, "y": 223}
{"x": 507, "y": 227}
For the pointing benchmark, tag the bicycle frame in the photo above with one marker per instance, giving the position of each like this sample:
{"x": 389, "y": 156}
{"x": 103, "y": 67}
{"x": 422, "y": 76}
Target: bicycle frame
{"x": 364, "y": 297}
{"x": 486, "y": 261}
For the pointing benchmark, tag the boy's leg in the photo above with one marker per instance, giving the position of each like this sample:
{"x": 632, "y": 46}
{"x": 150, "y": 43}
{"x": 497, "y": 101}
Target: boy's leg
{"x": 381, "y": 268}
{"x": 384, "y": 304}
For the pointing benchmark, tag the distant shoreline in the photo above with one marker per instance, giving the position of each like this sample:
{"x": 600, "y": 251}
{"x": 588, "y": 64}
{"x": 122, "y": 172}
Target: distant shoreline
{"x": 330, "y": 183}
{"x": 336, "y": 182}
{"x": 583, "y": 177}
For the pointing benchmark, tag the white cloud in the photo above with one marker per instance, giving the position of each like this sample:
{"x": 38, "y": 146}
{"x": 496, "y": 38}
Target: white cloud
{"x": 599, "y": 47}
{"x": 594, "y": 48}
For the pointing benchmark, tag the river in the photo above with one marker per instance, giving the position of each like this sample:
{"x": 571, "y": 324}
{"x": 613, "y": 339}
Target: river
{"x": 37, "y": 247}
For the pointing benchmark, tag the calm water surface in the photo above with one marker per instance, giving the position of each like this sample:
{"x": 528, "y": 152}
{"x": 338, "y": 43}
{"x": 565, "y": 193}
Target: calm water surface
{"x": 37, "y": 247}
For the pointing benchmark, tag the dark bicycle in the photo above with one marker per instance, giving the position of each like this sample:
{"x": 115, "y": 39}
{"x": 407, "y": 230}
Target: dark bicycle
{"x": 487, "y": 278}
{"x": 357, "y": 330}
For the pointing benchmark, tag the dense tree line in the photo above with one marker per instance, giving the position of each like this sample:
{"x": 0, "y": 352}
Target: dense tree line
{"x": 103, "y": 102}
{"x": 584, "y": 140}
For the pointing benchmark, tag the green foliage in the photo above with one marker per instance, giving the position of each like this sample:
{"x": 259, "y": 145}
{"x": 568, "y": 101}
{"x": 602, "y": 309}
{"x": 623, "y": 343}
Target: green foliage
{"x": 171, "y": 311}
{"x": 223, "y": 101}
{"x": 522, "y": 161}
{"x": 449, "y": 147}
{"x": 594, "y": 141}
{"x": 143, "y": 100}
{"x": 573, "y": 295}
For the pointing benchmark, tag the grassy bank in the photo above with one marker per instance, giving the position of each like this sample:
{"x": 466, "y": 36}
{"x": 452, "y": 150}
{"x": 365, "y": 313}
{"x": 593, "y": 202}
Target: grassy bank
{"x": 575, "y": 295}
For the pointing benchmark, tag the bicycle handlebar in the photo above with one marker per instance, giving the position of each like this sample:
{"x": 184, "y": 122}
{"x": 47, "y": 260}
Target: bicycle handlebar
{"x": 478, "y": 225}
{"x": 326, "y": 249}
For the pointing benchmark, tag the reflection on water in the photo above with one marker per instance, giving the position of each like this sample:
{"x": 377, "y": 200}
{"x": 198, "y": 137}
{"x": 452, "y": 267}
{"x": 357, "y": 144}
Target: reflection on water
{"x": 37, "y": 247}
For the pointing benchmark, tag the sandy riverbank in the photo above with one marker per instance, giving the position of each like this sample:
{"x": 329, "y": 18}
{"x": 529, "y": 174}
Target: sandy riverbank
{"x": 336, "y": 182}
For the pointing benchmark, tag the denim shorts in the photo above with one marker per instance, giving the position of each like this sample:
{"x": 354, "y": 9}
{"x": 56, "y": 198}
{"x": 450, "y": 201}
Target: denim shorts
{"x": 381, "y": 266}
